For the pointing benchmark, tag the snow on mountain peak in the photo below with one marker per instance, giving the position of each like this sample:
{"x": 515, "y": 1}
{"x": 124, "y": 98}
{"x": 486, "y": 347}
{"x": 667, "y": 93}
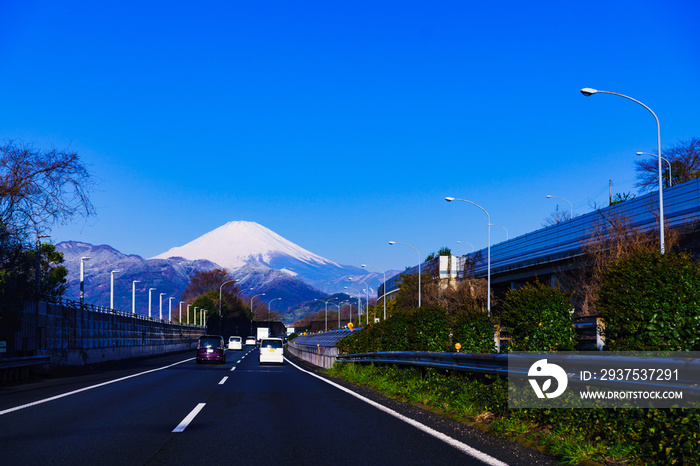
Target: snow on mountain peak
{"x": 236, "y": 243}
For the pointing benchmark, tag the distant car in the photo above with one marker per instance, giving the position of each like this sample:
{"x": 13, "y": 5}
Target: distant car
{"x": 250, "y": 341}
{"x": 211, "y": 348}
{"x": 235, "y": 343}
{"x": 271, "y": 350}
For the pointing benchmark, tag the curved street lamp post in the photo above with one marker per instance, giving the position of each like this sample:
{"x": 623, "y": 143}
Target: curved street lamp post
{"x": 419, "y": 287}
{"x": 587, "y": 91}
{"x": 488, "y": 267}
{"x": 384, "y": 285}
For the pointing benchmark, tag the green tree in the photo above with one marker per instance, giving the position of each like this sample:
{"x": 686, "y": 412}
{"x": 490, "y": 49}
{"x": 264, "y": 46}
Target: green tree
{"x": 538, "y": 318}
{"x": 651, "y": 302}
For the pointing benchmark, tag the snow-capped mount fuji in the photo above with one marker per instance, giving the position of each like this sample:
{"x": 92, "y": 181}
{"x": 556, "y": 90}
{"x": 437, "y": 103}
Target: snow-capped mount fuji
{"x": 237, "y": 243}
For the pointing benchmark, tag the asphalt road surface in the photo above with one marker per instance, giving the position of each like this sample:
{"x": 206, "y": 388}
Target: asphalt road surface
{"x": 170, "y": 411}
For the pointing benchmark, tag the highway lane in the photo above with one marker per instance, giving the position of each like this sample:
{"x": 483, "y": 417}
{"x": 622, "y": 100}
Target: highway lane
{"x": 249, "y": 414}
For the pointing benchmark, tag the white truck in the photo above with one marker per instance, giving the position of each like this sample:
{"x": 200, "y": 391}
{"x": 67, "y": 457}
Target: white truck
{"x": 263, "y": 332}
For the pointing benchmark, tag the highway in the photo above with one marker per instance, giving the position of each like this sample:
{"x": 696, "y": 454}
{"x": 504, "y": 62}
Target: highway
{"x": 170, "y": 410}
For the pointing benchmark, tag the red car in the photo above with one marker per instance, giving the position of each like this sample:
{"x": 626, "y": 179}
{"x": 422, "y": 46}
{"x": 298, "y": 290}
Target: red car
{"x": 211, "y": 348}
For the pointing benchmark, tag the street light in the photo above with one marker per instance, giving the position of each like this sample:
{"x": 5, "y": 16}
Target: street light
{"x": 188, "y": 314}
{"x": 251, "y": 302}
{"x": 571, "y": 214}
{"x": 161, "y": 306}
{"x": 269, "y": 310}
{"x": 170, "y": 309}
{"x": 488, "y": 266}
{"x": 82, "y": 279}
{"x": 180, "y": 318}
{"x": 670, "y": 176}
{"x": 506, "y": 229}
{"x": 111, "y": 288}
{"x": 587, "y": 91}
{"x": 397, "y": 242}
{"x": 133, "y": 295}
{"x": 470, "y": 244}
{"x": 359, "y": 303}
{"x": 149, "y": 301}
{"x": 326, "y": 309}
{"x": 333, "y": 304}
{"x": 384, "y": 286}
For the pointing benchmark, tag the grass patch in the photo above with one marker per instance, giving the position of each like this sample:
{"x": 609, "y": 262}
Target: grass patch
{"x": 607, "y": 436}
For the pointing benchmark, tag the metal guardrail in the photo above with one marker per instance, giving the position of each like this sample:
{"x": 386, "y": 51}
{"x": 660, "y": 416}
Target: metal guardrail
{"x": 498, "y": 364}
{"x": 12, "y": 369}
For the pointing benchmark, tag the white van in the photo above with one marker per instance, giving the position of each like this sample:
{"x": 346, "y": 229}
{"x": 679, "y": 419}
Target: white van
{"x": 271, "y": 350}
{"x": 235, "y": 343}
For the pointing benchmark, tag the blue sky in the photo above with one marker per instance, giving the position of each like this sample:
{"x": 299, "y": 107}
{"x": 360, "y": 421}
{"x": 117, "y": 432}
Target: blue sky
{"x": 343, "y": 125}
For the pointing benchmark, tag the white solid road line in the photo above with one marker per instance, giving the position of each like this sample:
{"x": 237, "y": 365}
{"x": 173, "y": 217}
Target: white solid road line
{"x": 45, "y": 400}
{"x": 185, "y": 422}
{"x": 463, "y": 447}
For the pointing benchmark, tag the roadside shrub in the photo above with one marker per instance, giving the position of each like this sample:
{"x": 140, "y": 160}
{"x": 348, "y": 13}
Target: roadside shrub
{"x": 538, "y": 318}
{"x": 428, "y": 330}
{"x": 474, "y": 331}
{"x": 425, "y": 329}
{"x": 651, "y": 302}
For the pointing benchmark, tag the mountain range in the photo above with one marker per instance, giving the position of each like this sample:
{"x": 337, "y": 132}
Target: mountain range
{"x": 259, "y": 259}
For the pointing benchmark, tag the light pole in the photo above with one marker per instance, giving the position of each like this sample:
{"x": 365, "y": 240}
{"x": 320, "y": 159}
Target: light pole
{"x": 359, "y": 303}
{"x": 470, "y": 244}
{"x": 571, "y": 214}
{"x": 366, "y": 290}
{"x": 384, "y": 286}
{"x": 111, "y": 288}
{"x": 326, "y": 309}
{"x": 251, "y": 303}
{"x": 220, "y": 291}
{"x": 269, "y": 310}
{"x": 161, "y": 306}
{"x": 333, "y": 304}
{"x": 170, "y": 309}
{"x": 488, "y": 262}
{"x": 180, "y": 318}
{"x": 587, "y": 91}
{"x": 670, "y": 175}
{"x": 188, "y": 314}
{"x": 149, "y": 301}
{"x": 397, "y": 242}
{"x": 133, "y": 295}
{"x": 506, "y": 229}
{"x": 82, "y": 279}
{"x": 194, "y": 316}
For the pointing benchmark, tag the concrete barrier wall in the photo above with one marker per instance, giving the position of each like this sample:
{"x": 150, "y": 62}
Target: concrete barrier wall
{"x": 75, "y": 335}
{"x": 85, "y": 357}
{"x": 319, "y": 356}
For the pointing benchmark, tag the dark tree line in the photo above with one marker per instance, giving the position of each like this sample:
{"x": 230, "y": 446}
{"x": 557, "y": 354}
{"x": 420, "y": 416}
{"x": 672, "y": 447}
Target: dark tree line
{"x": 38, "y": 189}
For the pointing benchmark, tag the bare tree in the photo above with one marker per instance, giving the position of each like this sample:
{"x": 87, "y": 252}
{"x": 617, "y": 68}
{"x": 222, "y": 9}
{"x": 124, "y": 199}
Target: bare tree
{"x": 40, "y": 188}
{"x": 684, "y": 158}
